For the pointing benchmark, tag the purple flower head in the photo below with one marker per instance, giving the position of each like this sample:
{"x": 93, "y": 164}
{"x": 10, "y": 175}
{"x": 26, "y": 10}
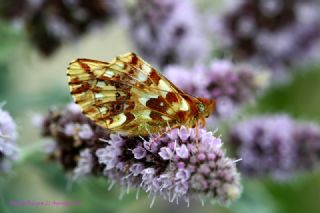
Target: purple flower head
{"x": 230, "y": 85}
{"x": 171, "y": 166}
{"x": 274, "y": 33}
{"x": 173, "y": 169}
{"x": 73, "y": 138}
{"x": 275, "y": 146}
{"x": 49, "y": 24}
{"x": 8, "y": 136}
{"x": 167, "y": 32}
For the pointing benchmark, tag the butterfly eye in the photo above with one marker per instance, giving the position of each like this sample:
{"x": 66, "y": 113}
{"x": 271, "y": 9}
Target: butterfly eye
{"x": 201, "y": 107}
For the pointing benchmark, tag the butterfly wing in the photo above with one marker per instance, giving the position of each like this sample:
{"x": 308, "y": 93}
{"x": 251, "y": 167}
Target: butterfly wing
{"x": 126, "y": 95}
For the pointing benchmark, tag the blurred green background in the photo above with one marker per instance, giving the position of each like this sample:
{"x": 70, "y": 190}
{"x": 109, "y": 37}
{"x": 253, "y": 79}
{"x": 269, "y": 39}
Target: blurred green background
{"x": 31, "y": 84}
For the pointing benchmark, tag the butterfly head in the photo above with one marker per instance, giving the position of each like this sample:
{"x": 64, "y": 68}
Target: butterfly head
{"x": 206, "y": 107}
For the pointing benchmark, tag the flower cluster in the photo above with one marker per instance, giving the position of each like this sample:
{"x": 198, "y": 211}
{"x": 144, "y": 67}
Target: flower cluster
{"x": 71, "y": 137}
{"x": 8, "y": 136}
{"x": 275, "y": 33}
{"x": 167, "y": 32}
{"x": 228, "y": 84}
{"x": 173, "y": 167}
{"x": 276, "y": 146}
{"x": 51, "y": 23}
{"x": 170, "y": 165}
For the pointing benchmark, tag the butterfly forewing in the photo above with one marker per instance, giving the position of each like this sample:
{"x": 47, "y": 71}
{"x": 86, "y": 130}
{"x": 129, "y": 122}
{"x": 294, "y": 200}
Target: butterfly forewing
{"x": 126, "y": 95}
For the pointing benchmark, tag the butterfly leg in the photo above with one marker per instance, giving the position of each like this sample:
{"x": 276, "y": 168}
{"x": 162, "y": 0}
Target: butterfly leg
{"x": 165, "y": 132}
{"x": 197, "y": 133}
{"x": 203, "y": 122}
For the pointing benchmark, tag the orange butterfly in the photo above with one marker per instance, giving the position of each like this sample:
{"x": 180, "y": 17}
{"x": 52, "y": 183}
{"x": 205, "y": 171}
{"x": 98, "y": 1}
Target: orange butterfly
{"x": 129, "y": 96}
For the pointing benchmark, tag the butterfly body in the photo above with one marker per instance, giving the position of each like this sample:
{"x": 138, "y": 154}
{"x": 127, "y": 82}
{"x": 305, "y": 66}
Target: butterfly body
{"x": 129, "y": 96}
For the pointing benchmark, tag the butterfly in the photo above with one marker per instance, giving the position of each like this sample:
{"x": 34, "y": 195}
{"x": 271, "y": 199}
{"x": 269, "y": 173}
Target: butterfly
{"x": 129, "y": 96}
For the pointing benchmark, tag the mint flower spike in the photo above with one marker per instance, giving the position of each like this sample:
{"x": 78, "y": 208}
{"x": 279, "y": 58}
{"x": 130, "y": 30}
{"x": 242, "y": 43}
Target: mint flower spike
{"x": 50, "y": 24}
{"x": 8, "y": 136}
{"x": 167, "y": 32}
{"x": 173, "y": 167}
{"x": 72, "y": 138}
{"x": 278, "y": 34}
{"x": 276, "y": 146}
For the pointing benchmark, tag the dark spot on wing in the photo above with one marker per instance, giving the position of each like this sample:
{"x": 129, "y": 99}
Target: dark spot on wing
{"x": 155, "y": 104}
{"x": 85, "y": 86}
{"x": 134, "y": 59}
{"x": 85, "y": 67}
{"x": 154, "y": 76}
{"x": 156, "y": 116}
{"x": 130, "y": 117}
{"x": 172, "y": 97}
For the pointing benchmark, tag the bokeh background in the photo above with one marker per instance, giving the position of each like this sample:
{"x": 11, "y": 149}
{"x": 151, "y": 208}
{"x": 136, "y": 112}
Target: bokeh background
{"x": 33, "y": 63}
